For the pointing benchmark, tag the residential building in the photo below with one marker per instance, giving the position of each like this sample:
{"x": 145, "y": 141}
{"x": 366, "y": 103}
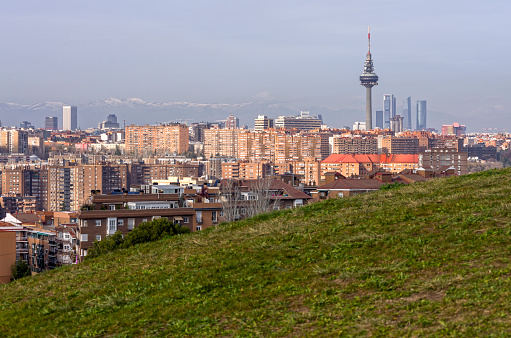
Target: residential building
{"x": 161, "y": 139}
{"x": 13, "y": 141}
{"x": 221, "y": 142}
{"x": 232, "y": 122}
{"x": 7, "y": 254}
{"x": 353, "y": 145}
{"x": 438, "y": 158}
{"x": 397, "y": 145}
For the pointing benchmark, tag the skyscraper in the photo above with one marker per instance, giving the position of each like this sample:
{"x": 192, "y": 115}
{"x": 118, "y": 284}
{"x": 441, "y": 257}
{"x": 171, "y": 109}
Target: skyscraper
{"x": 389, "y": 109}
{"x": 421, "y": 115}
{"x": 51, "y": 123}
{"x": 369, "y": 79}
{"x": 379, "y": 119}
{"x": 69, "y": 121}
{"x": 407, "y": 113}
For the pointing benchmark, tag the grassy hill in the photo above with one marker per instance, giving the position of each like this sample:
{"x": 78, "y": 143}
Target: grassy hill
{"x": 425, "y": 259}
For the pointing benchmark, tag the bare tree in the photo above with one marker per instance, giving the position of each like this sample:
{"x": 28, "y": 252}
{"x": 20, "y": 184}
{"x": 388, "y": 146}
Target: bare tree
{"x": 259, "y": 197}
{"x": 230, "y": 197}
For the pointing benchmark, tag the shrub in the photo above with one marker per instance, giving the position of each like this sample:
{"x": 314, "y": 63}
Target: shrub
{"x": 20, "y": 269}
{"x": 145, "y": 232}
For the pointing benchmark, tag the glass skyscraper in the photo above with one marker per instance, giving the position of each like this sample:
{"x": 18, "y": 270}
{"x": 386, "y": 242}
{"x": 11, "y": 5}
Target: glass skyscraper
{"x": 407, "y": 113}
{"x": 389, "y": 109}
{"x": 421, "y": 115}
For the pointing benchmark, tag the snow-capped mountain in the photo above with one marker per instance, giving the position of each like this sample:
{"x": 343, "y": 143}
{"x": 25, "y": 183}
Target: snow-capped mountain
{"x": 138, "y": 111}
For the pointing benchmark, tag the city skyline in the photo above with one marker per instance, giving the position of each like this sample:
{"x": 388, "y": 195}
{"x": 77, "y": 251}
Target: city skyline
{"x": 300, "y": 56}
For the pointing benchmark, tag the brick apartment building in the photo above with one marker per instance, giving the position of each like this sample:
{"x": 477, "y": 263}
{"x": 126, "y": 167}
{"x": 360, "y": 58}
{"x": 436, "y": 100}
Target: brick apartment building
{"x": 161, "y": 139}
{"x": 107, "y": 214}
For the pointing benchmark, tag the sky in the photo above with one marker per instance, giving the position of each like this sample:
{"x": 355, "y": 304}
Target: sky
{"x": 454, "y": 54}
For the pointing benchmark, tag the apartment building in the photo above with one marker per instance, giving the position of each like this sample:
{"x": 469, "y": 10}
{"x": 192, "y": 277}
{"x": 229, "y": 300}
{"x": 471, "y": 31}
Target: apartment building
{"x": 161, "y": 139}
{"x": 350, "y": 164}
{"x": 7, "y": 254}
{"x": 107, "y": 214}
{"x": 221, "y": 142}
{"x": 397, "y": 145}
{"x": 353, "y": 145}
{"x": 245, "y": 170}
{"x": 13, "y": 141}
{"x": 16, "y": 203}
{"x": 437, "y": 158}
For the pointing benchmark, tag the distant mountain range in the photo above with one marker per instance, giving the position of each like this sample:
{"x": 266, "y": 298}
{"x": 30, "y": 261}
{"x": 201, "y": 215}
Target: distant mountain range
{"x": 138, "y": 111}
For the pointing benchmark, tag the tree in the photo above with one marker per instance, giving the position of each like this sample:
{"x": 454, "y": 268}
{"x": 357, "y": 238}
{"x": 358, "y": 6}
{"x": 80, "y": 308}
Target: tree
{"x": 230, "y": 196}
{"x": 20, "y": 269}
{"x": 260, "y": 201}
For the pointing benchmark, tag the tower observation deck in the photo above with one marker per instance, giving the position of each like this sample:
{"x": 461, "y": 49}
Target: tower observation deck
{"x": 369, "y": 79}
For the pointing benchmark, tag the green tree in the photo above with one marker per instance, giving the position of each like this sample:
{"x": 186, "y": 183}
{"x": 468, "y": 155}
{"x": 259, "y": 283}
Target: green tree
{"x": 153, "y": 231}
{"x": 146, "y": 232}
{"x": 108, "y": 244}
{"x": 20, "y": 269}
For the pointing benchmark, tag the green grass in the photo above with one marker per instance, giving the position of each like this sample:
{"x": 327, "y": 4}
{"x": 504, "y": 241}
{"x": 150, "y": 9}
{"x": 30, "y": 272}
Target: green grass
{"x": 426, "y": 259}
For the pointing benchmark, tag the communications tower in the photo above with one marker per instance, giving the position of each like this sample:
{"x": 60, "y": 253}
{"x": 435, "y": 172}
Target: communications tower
{"x": 369, "y": 79}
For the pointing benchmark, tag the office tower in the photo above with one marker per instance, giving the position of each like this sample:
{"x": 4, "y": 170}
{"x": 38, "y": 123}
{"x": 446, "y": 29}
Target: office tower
{"x": 262, "y": 122}
{"x": 304, "y": 121}
{"x": 389, "y": 109}
{"x": 69, "y": 120}
{"x": 379, "y": 119}
{"x": 407, "y": 113}
{"x": 25, "y": 125}
{"x": 110, "y": 123}
{"x": 369, "y": 79}
{"x": 454, "y": 129}
{"x": 51, "y": 123}
{"x": 421, "y": 115}
{"x": 232, "y": 122}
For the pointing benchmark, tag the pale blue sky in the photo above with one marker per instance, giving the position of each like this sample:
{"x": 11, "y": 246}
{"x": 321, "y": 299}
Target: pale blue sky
{"x": 454, "y": 54}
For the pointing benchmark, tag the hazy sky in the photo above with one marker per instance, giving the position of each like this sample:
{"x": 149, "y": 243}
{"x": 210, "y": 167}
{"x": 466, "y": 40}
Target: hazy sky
{"x": 454, "y": 54}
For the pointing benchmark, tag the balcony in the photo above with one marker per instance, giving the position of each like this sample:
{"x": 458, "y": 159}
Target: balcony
{"x": 21, "y": 239}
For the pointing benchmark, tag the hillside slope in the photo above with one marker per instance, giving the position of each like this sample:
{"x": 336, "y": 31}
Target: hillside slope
{"x": 429, "y": 258}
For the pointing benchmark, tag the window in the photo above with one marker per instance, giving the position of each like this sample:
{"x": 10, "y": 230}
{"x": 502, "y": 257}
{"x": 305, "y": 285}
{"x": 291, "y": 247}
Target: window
{"x": 98, "y": 238}
{"x": 131, "y": 223}
{"x": 185, "y": 220}
{"x": 84, "y": 223}
{"x": 84, "y": 237}
{"x": 214, "y": 217}
{"x": 156, "y": 217}
{"x": 221, "y": 213}
{"x": 120, "y": 222}
{"x": 98, "y": 222}
{"x": 198, "y": 228}
{"x": 111, "y": 207}
{"x": 198, "y": 216}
